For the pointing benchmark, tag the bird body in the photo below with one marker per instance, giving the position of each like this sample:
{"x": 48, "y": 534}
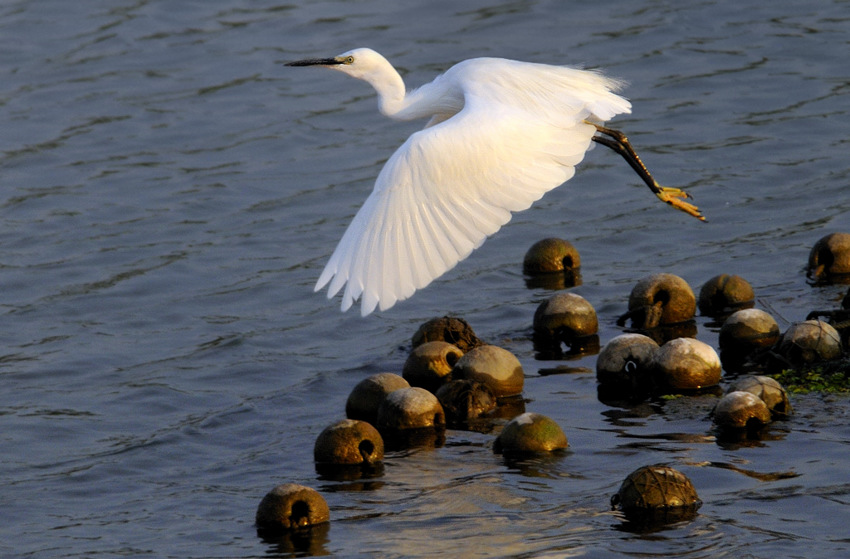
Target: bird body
{"x": 501, "y": 134}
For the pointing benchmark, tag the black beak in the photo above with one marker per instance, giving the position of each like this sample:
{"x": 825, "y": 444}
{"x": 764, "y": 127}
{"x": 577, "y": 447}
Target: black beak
{"x": 315, "y": 62}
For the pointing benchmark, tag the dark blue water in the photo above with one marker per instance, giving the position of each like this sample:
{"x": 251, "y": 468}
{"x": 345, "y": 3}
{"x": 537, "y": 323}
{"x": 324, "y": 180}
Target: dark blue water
{"x": 169, "y": 194}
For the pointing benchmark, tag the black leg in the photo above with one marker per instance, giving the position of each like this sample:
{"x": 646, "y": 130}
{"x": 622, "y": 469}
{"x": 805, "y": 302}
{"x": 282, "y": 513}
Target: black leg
{"x": 617, "y": 141}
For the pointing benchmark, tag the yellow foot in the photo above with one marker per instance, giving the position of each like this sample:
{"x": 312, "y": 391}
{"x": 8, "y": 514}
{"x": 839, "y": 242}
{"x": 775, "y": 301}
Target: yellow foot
{"x": 674, "y": 197}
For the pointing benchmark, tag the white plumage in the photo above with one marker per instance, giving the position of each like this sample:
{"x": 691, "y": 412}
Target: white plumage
{"x": 501, "y": 134}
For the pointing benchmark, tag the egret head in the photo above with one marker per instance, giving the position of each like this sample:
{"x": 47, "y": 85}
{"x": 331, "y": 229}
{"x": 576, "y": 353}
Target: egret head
{"x": 371, "y": 67}
{"x": 357, "y": 63}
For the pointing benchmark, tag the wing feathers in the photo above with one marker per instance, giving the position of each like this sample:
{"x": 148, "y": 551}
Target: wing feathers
{"x": 453, "y": 184}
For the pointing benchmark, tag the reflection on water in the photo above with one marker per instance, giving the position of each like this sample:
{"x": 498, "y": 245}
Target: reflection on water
{"x": 170, "y": 193}
{"x": 305, "y": 542}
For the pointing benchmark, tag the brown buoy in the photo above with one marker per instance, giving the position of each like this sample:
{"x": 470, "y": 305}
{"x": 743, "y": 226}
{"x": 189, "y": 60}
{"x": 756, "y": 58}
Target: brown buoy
{"x": 290, "y": 507}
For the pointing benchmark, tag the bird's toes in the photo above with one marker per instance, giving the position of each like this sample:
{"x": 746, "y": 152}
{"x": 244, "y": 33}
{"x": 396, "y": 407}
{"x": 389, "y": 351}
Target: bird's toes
{"x": 674, "y": 197}
{"x": 673, "y": 191}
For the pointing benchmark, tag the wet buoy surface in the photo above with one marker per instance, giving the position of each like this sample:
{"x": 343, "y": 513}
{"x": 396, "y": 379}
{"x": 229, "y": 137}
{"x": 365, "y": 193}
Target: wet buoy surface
{"x": 367, "y": 395}
{"x": 455, "y": 331}
{"x": 530, "y": 433}
{"x": 686, "y": 364}
{"x": 549, "y": 256}
{"x": 659, "y": 300}
{"x": 656, "y": 487}
{"x": 410, "y": 408}
{"x": 748, "y": 330}
{"x": 565, "y": 317}
{"x": 808, "y": 342}
{"x": 724, "y": 294}
{"x": 741, "y": 410}
{"x": 493, "y": 366}
{"x": 429, "y": 365}
{"x": 465, "y": 400}
{"x": 290, "y": 507}
{"x": 349, "y": 442}
{"x": 769, "y": 390}
{"x": 830, "y": 257}
{"x": 625, "y": 361}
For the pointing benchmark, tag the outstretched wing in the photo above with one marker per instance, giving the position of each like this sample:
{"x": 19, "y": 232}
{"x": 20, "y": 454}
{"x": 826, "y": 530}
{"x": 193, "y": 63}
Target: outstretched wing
{"x": 450, "y": 186}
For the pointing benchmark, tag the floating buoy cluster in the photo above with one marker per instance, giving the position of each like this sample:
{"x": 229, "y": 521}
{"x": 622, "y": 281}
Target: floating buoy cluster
{"x": 453, "y": 379}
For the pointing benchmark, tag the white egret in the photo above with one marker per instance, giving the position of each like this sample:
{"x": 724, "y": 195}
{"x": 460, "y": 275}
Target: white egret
{"x": 501, "y": 134}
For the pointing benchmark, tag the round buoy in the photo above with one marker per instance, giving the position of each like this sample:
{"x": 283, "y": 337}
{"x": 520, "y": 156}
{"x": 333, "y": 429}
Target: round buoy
{"x": 368, "y": 394}
{"x": 410, "y": 408}
{"x": 741, "y": 410}
{"x": 724, "y": 294}
{"x": 464, "y": 400}
{"x": 530, "y": 433}
{"x": 550, "y": 255}
{"x": 830, "y": 256}
{"x": 659, "y": 300}
{"x": 455, "y": 331}
{"x": 808, "y": 342}
{"x": 290, "y": 507}
{"x": 496, "y": 368}
{"x": 686, "y": 364}
{"x": 769, "y": 390}
{"x": 748, "y": 330}
{"x": 625, "y": 362}
{"x": 348, "y": 442}
{"x": 429, "y": 365}
{"x": 565, "y": 317}
{"x": 655, "y": 487}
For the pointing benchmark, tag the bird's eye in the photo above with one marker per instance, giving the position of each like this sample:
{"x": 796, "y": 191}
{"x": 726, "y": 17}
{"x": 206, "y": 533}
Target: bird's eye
{"x": 349, "y": 60}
